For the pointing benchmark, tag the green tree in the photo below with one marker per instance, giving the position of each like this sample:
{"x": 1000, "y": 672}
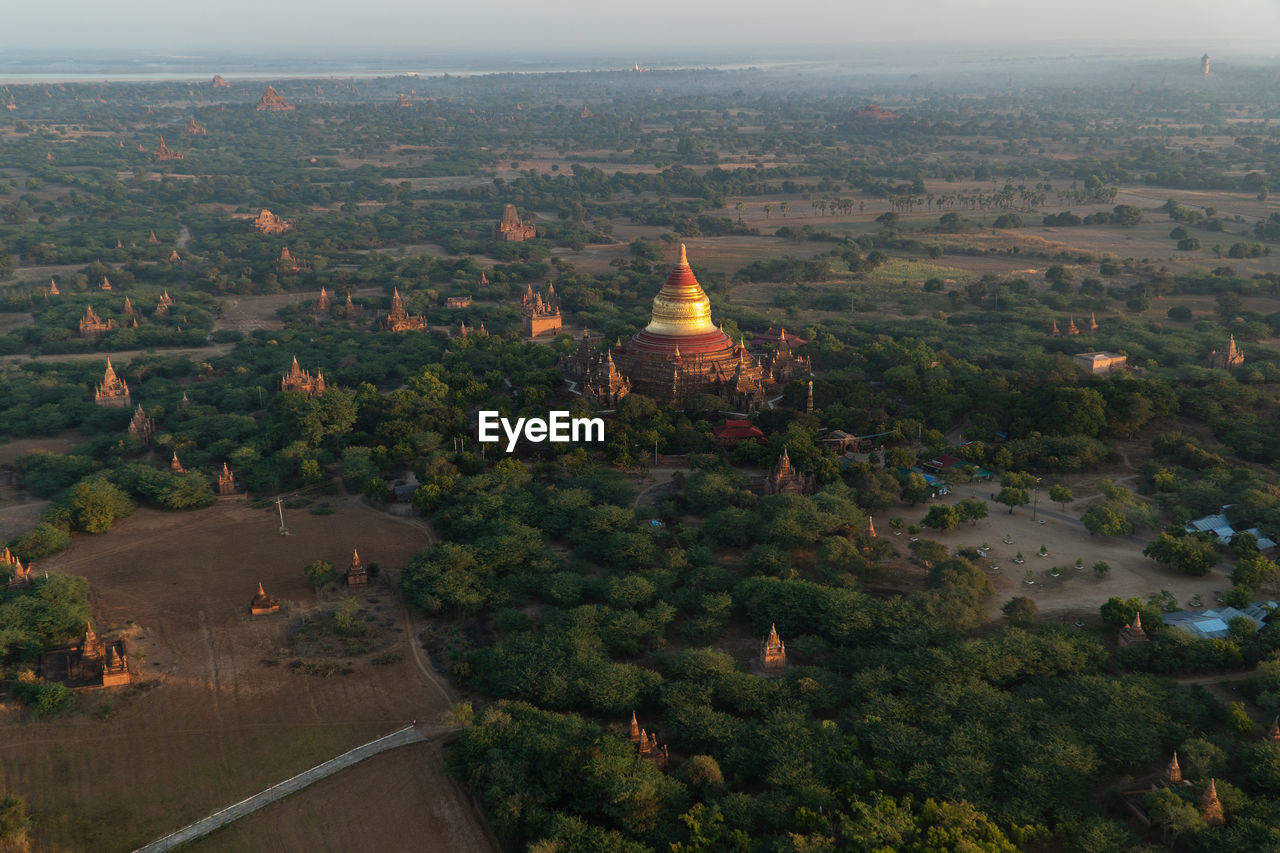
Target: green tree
{"x": 1060, "y": 494}
{"x": 1012, "y": 496}
{"x": 941, "y": 517}
{"x": 320, "y": 573}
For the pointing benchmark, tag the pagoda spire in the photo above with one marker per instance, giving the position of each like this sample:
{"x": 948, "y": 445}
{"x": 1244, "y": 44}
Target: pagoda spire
{"x": 684, "y": 258}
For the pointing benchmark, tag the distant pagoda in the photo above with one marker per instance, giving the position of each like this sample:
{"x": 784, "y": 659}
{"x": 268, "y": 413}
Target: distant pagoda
{"x": 298, "y": 379}
{"x": 399, "y": 319}
{"x": 164, "y": 152}
{"x": 112, "y": 391}
{"x": 510, "y": 229}
{"x": 273, "y": 101}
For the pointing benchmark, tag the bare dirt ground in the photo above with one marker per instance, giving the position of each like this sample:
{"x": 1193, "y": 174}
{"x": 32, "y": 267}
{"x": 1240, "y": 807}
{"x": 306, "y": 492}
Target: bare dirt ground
{"x": 217, "y": 714}
{"x": 1074, "y": 592}
{"x": 403, "y": 797}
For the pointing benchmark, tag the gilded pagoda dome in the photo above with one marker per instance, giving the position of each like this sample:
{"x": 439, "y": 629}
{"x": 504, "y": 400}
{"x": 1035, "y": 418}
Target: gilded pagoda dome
{"x": 681, "y": 307}
{"x": 681, "y": 320}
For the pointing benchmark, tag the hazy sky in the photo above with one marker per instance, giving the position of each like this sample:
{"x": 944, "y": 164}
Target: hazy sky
{"x": 595, "y": 27}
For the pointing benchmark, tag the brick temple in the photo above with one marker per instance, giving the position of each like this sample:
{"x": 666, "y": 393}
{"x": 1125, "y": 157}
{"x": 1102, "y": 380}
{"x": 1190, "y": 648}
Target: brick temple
{"x": 541, "y": 314}
{"x": 399, "y": 319}
{"x": 112, "y": 391}
{"x": 682, "y": 353}
{"x": 510, "y": 229}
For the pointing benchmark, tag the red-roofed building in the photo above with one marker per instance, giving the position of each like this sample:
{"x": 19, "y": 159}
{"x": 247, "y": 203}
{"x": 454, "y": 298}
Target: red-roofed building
{"x": 732, "y": 433}
{"x": 774, "y": 337}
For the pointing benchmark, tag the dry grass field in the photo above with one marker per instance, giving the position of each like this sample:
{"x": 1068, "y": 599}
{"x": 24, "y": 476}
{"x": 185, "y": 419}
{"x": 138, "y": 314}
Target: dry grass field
{"x": 216, "y": 713}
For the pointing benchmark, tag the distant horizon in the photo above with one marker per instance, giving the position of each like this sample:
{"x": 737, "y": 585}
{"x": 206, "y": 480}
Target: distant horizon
{"x": 651, "y": 28}
{"x": 34, "y": 65}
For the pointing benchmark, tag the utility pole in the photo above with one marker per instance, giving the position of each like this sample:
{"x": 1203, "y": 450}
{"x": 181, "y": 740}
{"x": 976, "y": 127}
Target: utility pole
{"x": 1035, "y": 500}
{"x": 284, "y": 531}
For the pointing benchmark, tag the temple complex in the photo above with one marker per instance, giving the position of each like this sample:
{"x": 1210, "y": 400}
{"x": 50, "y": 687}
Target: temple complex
{"x": 112, "y": 391}
{"x": 681, "y": 353}
{"x": 356, "y": 575}
{"x": 600, "y": 378}
{"x": 1133, "y": 635}
{"x": 289, "y": 265}
{"x": 457, "y": 302}
{"x": 142, "y": 427}
{"x": 164, "y": 152}
{"x": 195, "y": 128}
{"x": 91, "y": 325}
{"x": 15, "y": 574}
{"x": 779, "y": 358}
{"x": 298, "y": 379}
{"x": 263, "y": 604}
{"x": 783, "y": 479}
{"x": 268, "y": 223}
{"x": 773, "y": 653}
{"x": 322, "y": 304}
{"x": 87, "y": 664}
{"x": 403, "y": 101}
{"x": 219, "y": 83}
{"x": 400, "y": 320}
{"x": 510, "y": 229}
{"x": 541, "y": 313}
{"x": 647, "y": 744}
{"x": 226, "y": 482}
{"x": 106, "y": 284}
{"x": 1232, "y": 357}
{"x": 273, "y": 101}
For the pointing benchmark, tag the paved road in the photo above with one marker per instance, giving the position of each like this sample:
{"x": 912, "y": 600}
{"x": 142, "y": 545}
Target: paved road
{"x": 201, "y": 828}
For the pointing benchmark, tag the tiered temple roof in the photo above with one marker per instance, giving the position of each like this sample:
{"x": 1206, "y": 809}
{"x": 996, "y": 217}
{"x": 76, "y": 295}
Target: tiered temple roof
{"x": 1132, "y": 634}
{"x": 219, "y": 83}
{"x": 773, "y": 652}
{"x": 91, "y": 325}
{"x": 273, "y": 101}
{"x": 784, "y": 479}
{"x": 510, "y": 229}
{"x": 268, "y": 223}
{"x": 289, "y": 264}
{"x": 681, "y": 353}
{"x": 1211, "y": 807}
{"x": 15, "y": 574}
{"x": 226, "y": 481}
{"x": 142, "y": 427}
{"x": 647, "y": 744}
{"x": 164, "y": 152}
{"x": 1232, "y": 357}
{"x": 298, "y": 379}
{"x": 195, "y": 128}
{"x": 356, "y": 574}
{"x": 89, "y": 663}
{"x": 399, "y": 319}
{"x": 263, "y": 604}
{"x": 541, "y": 313}
{"x": 112, "y": 391}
